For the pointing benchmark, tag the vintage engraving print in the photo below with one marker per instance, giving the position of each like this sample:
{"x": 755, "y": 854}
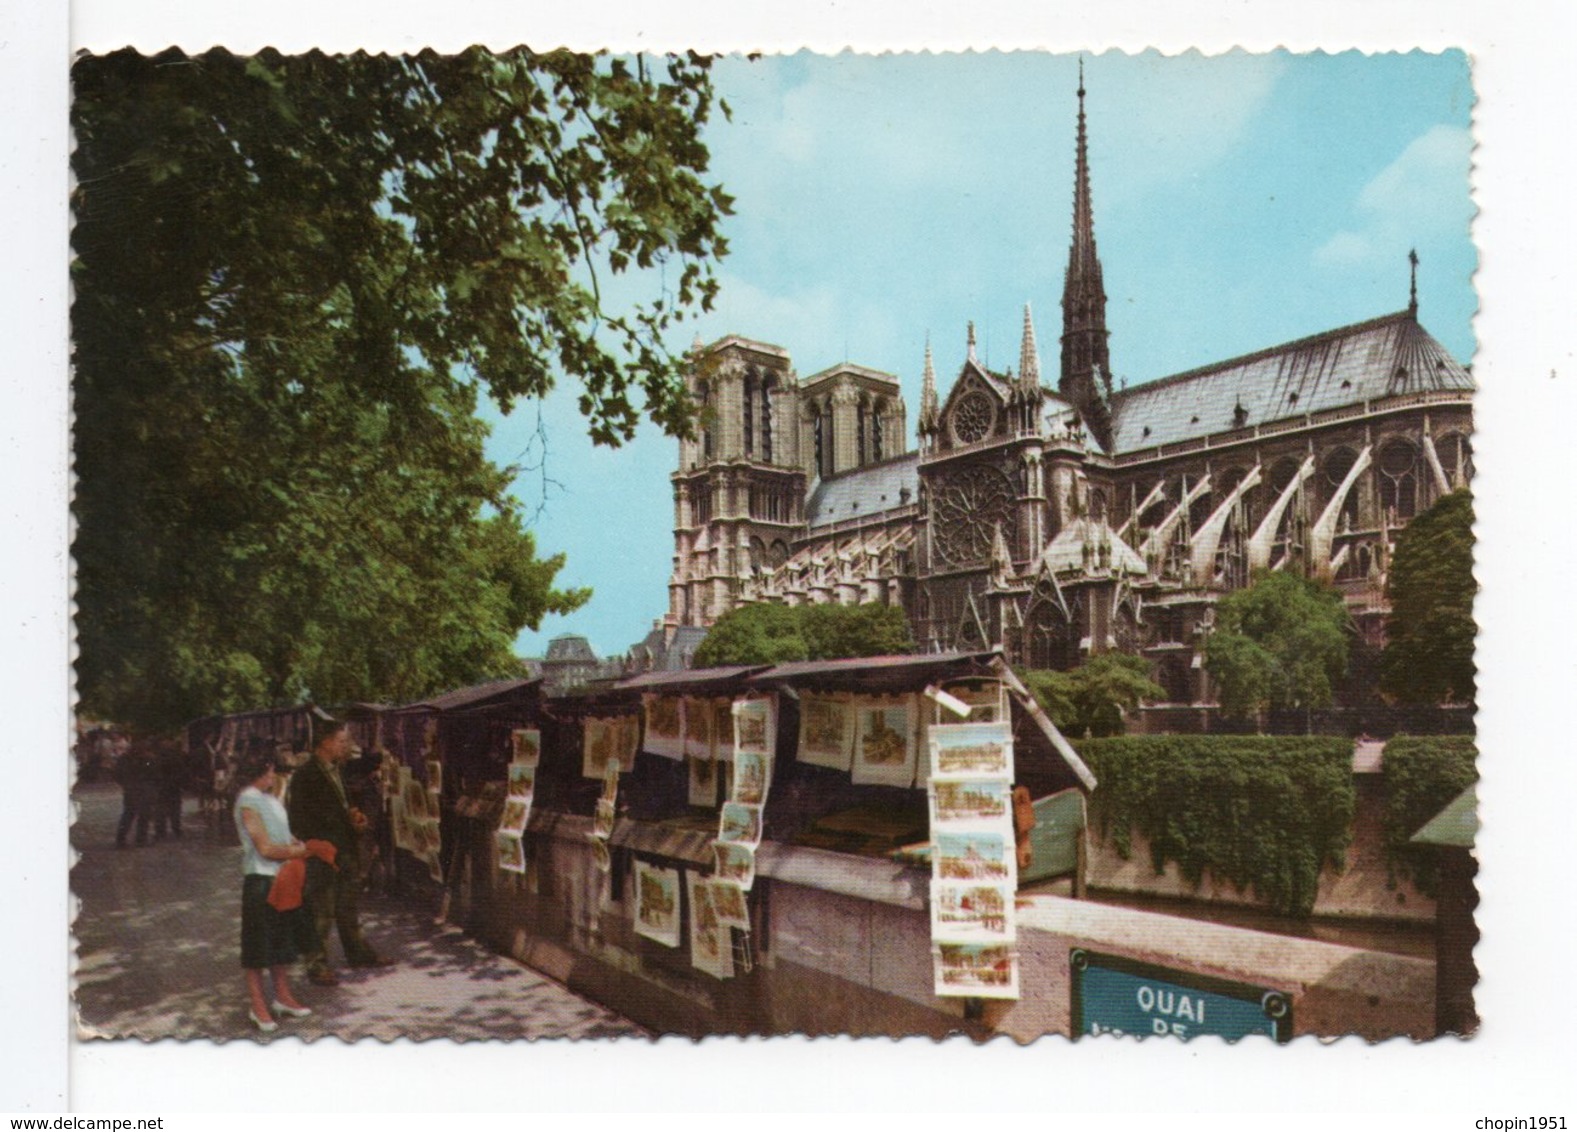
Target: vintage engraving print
{"x": 1130, "y": 396}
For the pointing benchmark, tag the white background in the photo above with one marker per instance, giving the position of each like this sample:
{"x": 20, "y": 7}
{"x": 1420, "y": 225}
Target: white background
{"x": 1518, "y": 1065}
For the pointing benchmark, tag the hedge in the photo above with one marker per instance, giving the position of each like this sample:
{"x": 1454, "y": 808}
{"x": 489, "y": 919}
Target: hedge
{"x": 1421, "y": 774}
{"x": 1266, "y": 813}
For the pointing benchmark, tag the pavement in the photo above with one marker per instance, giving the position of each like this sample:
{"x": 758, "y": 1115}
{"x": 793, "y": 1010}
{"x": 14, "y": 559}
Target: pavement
{"x": 157, "y": 940}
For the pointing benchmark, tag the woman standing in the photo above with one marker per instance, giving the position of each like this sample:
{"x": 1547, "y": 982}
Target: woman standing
{"x": 268, "y": 936}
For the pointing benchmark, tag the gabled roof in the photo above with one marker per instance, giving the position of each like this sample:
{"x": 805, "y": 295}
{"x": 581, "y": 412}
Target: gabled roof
{"x": 1385, "y": 357}
{"x": 864, "y": 491}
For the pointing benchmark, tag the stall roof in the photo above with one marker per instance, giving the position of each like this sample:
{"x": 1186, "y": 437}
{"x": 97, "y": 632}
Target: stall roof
{"x": 688, "y": 679}
{"x": 884, "y": 671}
{"x": 467, "y": 697}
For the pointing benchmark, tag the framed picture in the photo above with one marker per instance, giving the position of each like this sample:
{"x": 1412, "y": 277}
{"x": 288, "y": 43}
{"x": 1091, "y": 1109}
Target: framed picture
{"x": 728, "y": 900}
{"x": 511, "y": 852}
{"x": 754, "y": 725}
{"x": 752, "y": 777}
{"x": 969, "y": 803}
{"x": 703, "y": 782}
{"x": 971, "y": 912}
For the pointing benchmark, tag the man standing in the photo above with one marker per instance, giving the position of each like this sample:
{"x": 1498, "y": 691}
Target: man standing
{"x": 320, "y": 810}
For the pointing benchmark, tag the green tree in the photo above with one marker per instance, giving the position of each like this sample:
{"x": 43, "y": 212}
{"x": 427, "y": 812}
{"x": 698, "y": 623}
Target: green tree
{"x": 295, "y": 276}
{"x": 1428, "y": 656}
{"x": 769, "y": 633}
{"x": 1281, "y": 643}
{"x": 1095, "y": 699}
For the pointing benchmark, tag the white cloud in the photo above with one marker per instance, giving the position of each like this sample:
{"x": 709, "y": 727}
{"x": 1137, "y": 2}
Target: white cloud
{"x": 1417, "y": 198}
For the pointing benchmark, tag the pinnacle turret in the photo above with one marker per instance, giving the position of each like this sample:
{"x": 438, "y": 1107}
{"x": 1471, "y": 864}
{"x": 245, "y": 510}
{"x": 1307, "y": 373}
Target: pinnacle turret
{"x": 928, "y": 401}
{"x": 1028, "y": 355}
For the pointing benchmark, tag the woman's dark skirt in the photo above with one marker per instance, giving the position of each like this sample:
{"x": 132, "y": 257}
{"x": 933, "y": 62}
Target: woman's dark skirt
{"x": 269, "y": 937}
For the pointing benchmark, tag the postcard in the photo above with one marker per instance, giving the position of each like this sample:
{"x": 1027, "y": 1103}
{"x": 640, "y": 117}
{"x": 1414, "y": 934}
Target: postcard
{"x": 603, "y": 822}
{"x": 959, "y": 750}
{"x": 657, "y": 903}
{"x": 752, "y": 777}
{"x": 740, "y": 824}
{"x": 522, "y": 780}
{"x": 969, "y": 802}
{"x": 511, "y": 852}
{"x": 967, "y": 855}
{"x": 735, "y": 863}
{"x": 728, "y": 900}
{"x": 698, "y": 728}
{"x": 754, "y": 725}
{"x": 976, "y": 970}
{"x": 971, "y": 912}
{"x": 723, "y": 739}
{"x": 517, "y": 812}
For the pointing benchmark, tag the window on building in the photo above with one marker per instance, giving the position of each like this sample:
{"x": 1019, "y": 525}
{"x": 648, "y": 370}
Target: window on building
{"x": 766, "y": 418}
{"x": 750, "y": 413}
{"x": 1399, "y": 478}
{"x": 876, "y": 430}
{"x": 860, "y": 412}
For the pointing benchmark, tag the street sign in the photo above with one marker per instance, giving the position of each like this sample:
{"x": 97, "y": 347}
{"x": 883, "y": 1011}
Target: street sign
{"x": 1115, "y": 995}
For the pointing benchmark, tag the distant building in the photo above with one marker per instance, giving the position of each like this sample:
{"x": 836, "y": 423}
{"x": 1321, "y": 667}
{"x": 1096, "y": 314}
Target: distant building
{"x": 1061, "y": 523}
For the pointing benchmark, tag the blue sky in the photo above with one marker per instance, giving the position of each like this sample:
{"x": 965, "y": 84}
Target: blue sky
{"x": 1240, "y": 201}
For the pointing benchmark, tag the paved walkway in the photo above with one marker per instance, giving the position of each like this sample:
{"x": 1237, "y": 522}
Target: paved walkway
{"x": 158, "y": 953}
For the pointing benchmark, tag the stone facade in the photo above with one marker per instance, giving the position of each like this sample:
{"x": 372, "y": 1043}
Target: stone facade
{"x": 1058, "y": 524}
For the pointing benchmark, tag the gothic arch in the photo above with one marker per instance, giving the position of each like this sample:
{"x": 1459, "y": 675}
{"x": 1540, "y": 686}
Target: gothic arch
{"x": 1398, "y": 473}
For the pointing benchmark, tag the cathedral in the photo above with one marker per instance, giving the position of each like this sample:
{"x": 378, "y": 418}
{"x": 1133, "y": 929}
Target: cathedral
{"x": 1060, "y": 523}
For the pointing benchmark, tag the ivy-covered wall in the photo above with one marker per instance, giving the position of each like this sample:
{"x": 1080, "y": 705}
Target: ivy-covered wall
{"x": 1421, "y": 774}
{"x": 1266, "y": 813}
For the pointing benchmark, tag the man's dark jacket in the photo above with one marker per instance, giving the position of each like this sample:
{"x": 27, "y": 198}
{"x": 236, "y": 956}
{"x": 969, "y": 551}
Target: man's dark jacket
{"x": 317, "y": 812}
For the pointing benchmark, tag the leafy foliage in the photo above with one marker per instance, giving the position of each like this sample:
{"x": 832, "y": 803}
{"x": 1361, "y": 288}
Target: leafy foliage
{"x": 1095, "y": 698}
{"x": 294, "y": 278}
{"x": 1267, "y": 814}
{"x": 1430, "y": 633}
{"x": 768, "y": 633}
{"x": 1281, "y": 643}
{"x": 1422, "y": 774}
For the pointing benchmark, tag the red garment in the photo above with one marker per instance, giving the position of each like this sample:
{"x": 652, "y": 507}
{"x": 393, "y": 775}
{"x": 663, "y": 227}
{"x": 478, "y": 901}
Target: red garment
{"x": 291, "y": 881}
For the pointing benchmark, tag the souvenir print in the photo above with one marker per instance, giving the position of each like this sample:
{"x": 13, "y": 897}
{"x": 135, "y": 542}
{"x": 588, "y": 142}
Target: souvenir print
{"x": 664, "y": 726}
{"x": 525, "y": 745}
{"x": 826, "y": 731}
{"x": 657, "y": 903}
{"x": 711, "y": 943}
{"x": 884, "y": 743}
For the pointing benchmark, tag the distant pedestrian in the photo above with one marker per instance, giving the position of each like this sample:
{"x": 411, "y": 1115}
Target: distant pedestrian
{"x": 268, "y": 936}
{"x": 170, "y": 786}
{"x": 135, "y": 771}
{"x": 321, "y": 809}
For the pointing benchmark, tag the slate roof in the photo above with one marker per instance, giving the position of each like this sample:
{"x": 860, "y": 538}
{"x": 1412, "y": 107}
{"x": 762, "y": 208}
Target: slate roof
{"x": 1386, "y": 357}
{"x": 864, "y": 491}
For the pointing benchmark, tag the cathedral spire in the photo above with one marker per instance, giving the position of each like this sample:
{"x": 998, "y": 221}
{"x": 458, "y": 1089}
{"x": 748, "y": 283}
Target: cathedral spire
{"x": 1028, "y": 354}
{"x": 1085, "y": 379}
{"x": 1412, "y": 290}
{"x": 972, "y": 340}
